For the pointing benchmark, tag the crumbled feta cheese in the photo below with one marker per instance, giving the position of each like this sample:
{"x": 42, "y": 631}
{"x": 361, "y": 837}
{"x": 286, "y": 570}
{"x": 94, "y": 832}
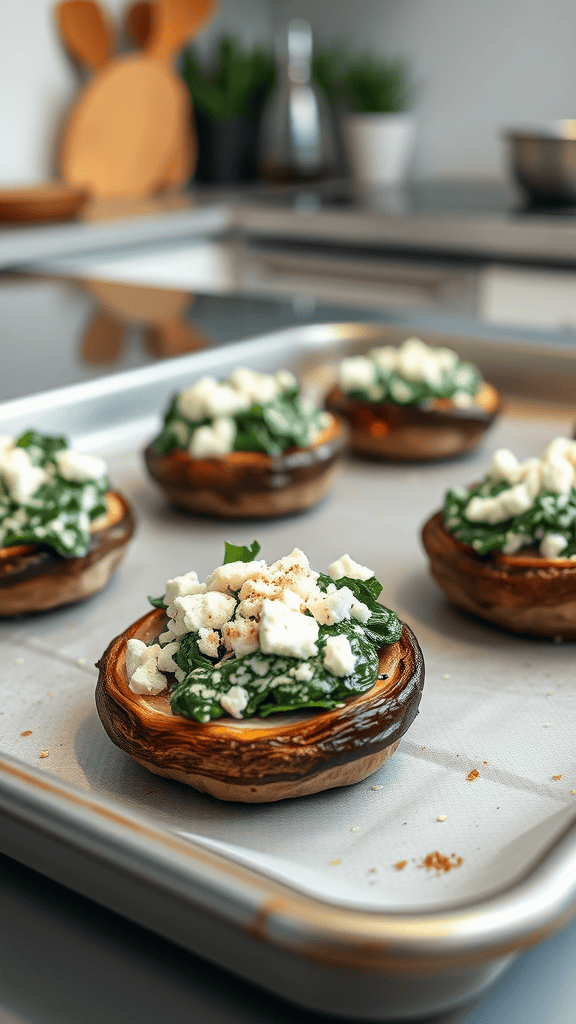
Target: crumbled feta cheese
{"x": 75, "y": 466}
{"x": 385, "y": 357}
{"x": 496, "y": 509}
{"x": 360, "y": 611}
{"x": 503, "y": 466}
{"x": 400, "y": 391}
{"x": 331, "y": 607}
{"x": 166, "y": 661}
{"x": 213, "y": 439}
{"x": 552, "y": 545}
{"x": 208, "y": 398}
{"x": 339, "y": 657}
{"x": 209, "y": 642}
{"x": 234, "y": 701}
{"x": 303, "y": 673}
{"x": 232, "y": 575}
{"x": 142, "y": 669}
{"x": 22, "y": 478}
{"x": 283, "y": 631}
{"x": 357, "y": 373}
{"x": 514, "y": 541}
{"x": 346, "y": 566}
{"x": 180, "y": 586}
{"x": 287, "y": 609}
{"x": 256, "y": 387}
{"x": 290, "y": 580}
{"x": 193, "y": 611}
{"x": 417, "y": 362}
{"x": 555, "y": 471}
{"x": 241, "y": 636}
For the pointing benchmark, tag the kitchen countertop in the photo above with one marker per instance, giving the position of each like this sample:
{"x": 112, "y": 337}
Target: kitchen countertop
{"x": 483, "y": 220}
{"x": 87, "y": 962}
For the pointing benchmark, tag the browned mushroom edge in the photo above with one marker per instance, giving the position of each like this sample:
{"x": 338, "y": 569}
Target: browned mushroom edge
{"x": 251, "y": 485}
{"x": 438, "y": 430}
{"x": 260, "y": 760}
{"x": 525, "y": 593}
{"x": 36, "y": 578}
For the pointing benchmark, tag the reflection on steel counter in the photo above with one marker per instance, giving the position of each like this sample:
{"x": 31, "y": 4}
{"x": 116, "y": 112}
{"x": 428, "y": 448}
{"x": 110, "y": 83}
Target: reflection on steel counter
{"x": 159, "y": 312}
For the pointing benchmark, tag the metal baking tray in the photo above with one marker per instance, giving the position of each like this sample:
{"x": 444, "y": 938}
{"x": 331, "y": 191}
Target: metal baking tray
{"x": 339, "y": 901}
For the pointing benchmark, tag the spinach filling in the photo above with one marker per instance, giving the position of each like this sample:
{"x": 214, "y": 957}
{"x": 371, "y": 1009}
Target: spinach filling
{"x": 270, "y": 428}
{"x": 59, "y": 513}
{"x": 277, "y": 683}
{"x": 550, "y": 513}
{"x": 391, "y": 386}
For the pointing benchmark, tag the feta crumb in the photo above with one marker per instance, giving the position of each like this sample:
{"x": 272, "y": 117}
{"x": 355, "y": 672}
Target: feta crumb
{"x": 75, "y": 466}
{"x": 194, "y": 611}
{"x": 232, "y": 575}
{"x": 333, "y": 607}
{"x": 234, "y": 701}
{"x": 209, "y": 398}
{"x": 552, "y": 545}
{"x": 346, "y": 566}
{"x": 166, "y": 661}
{"x": 22, "y": 478}
{"x": 503, "y": 466}
{"x": 514, "y": 541}
{"x": 142, "y": 669}
{"x": 182, "y": 585}
{"x": 357, "y": 373}
{"x": 241, "y": 636}
{"x": 360, "y": 611}
{"x": 303, "y": 673}
{"x": 339, "y": 657}
{"x": 283, "y": 631}
{"x": 213, "y": 439}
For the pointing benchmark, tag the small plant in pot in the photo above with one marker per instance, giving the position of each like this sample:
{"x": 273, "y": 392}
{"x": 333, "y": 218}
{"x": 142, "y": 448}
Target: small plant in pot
{"x": 379, "y": 132}
{"x": 228, "y": 97}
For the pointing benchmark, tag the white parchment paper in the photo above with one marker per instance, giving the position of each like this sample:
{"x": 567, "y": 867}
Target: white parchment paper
{"x": 495, "y": 705}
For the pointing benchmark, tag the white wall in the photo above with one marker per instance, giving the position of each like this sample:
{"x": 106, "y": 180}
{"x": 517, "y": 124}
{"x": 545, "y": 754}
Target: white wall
{"x": 478, "y": 67}
{"x": 38, "y": 81}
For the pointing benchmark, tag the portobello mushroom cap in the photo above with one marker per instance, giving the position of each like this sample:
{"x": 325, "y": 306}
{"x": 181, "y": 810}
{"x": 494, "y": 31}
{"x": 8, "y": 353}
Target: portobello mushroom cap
{"x": 251, "y": 485}
{"x": 525, "y": 593}
{"x": 438, "y": 430}
{"x": 35, "y": 578}
{"x": 260, "y": 760}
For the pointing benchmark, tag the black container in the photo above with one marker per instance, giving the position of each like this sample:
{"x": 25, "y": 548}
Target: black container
{"x": 227, "y": 148}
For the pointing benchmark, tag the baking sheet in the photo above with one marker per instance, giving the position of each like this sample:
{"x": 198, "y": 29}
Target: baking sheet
{"x": 494, "y": 705}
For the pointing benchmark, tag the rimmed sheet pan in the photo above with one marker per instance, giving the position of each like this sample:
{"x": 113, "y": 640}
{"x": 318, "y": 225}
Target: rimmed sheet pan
{"x": 336, "y": 901}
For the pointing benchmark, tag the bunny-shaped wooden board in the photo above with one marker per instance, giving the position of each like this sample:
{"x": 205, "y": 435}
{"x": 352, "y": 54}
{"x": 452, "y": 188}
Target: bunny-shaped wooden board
{"x": 129, "y": 133}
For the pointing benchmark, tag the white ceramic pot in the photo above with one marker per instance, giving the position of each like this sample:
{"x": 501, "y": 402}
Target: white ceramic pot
{"x": 379, "y": 146}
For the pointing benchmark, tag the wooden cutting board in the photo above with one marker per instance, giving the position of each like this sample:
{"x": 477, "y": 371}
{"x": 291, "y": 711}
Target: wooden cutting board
{"x": 124, "y": 136}
{"x": 87, "y": 33}
{"x": 139, "y": 20}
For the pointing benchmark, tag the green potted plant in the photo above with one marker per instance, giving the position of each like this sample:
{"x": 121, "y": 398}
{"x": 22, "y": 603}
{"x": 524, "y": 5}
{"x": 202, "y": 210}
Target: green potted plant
{"x": 228, "y": 96}
{"x": 378, "y": 129}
